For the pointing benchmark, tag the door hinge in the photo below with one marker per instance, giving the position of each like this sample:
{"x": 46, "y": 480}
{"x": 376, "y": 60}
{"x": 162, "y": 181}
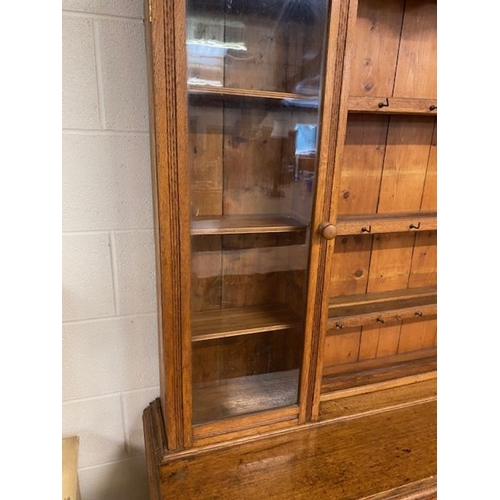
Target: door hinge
{"x": 150, "y": 11}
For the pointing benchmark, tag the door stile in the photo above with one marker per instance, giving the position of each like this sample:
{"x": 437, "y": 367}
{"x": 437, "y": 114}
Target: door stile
{"x": 331, "y": 140}
{"x": 171, "y": 197}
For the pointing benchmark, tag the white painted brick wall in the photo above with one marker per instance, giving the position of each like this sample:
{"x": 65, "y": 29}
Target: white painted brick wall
{"x": 110, "y": 346}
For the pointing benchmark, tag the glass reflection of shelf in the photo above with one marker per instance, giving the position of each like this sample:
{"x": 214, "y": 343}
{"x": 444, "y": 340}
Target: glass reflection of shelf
{"x": 285, "y": 98}
{"x": 241, "y": 224}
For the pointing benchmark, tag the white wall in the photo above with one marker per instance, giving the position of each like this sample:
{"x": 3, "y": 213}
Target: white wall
{"x": 110, "y": 353}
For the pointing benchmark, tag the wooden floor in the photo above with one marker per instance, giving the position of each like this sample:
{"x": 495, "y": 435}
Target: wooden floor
{"x": 387, "y": 455}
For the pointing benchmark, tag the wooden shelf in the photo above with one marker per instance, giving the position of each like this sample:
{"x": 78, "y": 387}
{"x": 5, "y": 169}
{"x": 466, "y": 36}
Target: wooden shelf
{"x": 397, "y": 105}
{"x": 384, "y": 307}
{"x": 236, "y": 224}
{"x": 223, "y": 323}
{"x": 226, "y": 92}
{"x": 386, "y": 223}
{"x": 244, "y": 395}
{"x": 377, "y": 371}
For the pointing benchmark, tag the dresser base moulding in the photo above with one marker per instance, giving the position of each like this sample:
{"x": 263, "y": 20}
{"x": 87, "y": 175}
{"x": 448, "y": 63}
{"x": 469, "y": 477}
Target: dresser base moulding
{"x": 389, "y": 453}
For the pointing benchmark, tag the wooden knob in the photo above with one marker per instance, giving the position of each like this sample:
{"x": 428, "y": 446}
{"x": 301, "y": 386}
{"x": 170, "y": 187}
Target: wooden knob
{"x": 328, "y": 231}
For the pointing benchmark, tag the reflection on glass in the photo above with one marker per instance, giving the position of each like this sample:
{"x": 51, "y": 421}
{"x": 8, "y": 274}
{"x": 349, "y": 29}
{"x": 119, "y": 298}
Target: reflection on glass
{"x": 253, "y": 75}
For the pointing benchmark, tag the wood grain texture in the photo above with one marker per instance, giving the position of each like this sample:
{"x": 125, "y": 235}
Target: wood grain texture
{"x": 323, "y": 460}
{"x": 393, "y": 105}
{"x": 376, "y": 45}
{"x": 396, "y": 309}
{"x": 331, "y": 142}
{"x": 381, "y": 399}
{"x": 429, "y": 197}
{"x": 342, "y": 379}
{"x": 167, "y": 61}
{"x": 351, "y": 261}
{"x": 416, "y": 74}
{"x": 362, "y": 163}
{"x": 386, "y": 223}
{"x": 405, "y": 164}
{"x": 242, "y": 321}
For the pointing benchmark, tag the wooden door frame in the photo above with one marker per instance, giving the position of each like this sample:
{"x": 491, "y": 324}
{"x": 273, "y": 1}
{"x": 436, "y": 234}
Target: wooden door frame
{"x": 165, "y": 40}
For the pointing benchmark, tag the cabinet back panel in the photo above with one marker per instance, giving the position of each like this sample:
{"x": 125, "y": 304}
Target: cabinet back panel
{"x": 381, "y": 263}
{"x": 429, "y": 198}
{"x": 416, "y": 74}
{"x": 388, "y": 165}
{"x": 406, "y": 160}
{"x": 377, "y": 342}
{"x": 377, "y": 38}
{"x": 395, "y": 49}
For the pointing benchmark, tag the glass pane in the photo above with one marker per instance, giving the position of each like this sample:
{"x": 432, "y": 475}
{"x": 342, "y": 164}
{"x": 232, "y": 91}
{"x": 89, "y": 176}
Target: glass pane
{"x": 253, "y": 78}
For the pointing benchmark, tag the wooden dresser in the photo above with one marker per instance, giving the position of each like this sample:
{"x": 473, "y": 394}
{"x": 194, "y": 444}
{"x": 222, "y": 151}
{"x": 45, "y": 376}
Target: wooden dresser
{"x": 294, "y": 178}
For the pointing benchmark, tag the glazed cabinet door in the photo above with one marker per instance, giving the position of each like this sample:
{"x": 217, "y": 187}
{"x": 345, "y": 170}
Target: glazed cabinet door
{"x": 253, "y": 75}
{"x": 244, "y": 111}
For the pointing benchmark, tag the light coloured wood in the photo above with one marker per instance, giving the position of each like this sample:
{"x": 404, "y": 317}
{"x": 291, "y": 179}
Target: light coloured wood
{"x": 351, "y": 262}
{"x": 405, "y": 164}
{"x": 238, "y": 224}
{"x": 70, "y": 484}
{"x": 386, "y": 223}
{"x": 416, "y": 75}
{"x": 242, "y": 321}
{"x": 362, "y": 163}
{"x": 429, "y": 197}
{"x": 375, "y": 47}
{"x": 393, "y": 105}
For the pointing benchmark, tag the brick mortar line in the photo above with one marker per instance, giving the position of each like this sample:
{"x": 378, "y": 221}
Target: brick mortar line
{"x": 107, "y": 318}
{"x": 82, "y": 131}
{"x": 97, "y": 16}
{"x": 108, "y": 394}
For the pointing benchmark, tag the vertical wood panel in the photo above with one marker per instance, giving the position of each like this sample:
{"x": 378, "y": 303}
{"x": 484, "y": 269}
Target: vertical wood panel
{"x": 424, "y": 261}
{"x": 391, "y": 260}
{"x": 407, "y": 154}
{"x": 417, "y": 334}
{"x": 368, "y": 345}
{"x": 350, "y": 265}
{"x": 378, "y": 29}
{"x": 429, "y": 198}
{"x": 362, "y": 163}
{"x": 343, "y": 348}
{"x": 389, "y": 270}
{"x": 416, "y": 74}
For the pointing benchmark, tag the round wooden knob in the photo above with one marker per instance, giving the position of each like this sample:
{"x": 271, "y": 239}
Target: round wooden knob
{"x": 328, "y": 231}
